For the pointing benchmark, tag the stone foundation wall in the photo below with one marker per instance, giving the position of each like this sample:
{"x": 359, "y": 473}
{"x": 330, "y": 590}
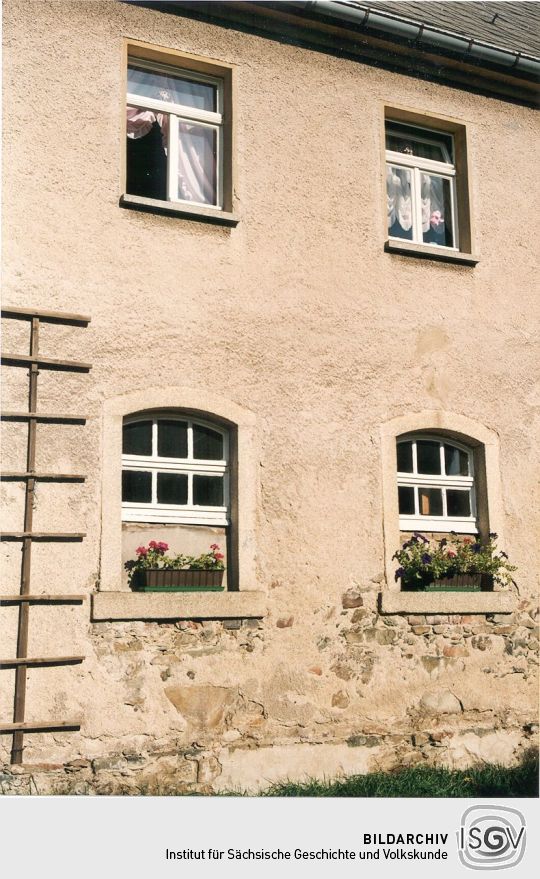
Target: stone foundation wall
{"x": 211, "y": 706}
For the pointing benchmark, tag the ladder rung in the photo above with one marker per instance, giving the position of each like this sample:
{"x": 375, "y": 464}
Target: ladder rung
{"x": 53, "y": 317}
{"x": 41, "y": 535}
{"x": 39, "y": 726}
{"x": 52, "y": 477}
{"x": 44, "y": 596}
{"x": 45, "y": 362}
{"x": 34, "y": 363}
{"x": 58, "y": 419}
{"x": 40, "y": 660}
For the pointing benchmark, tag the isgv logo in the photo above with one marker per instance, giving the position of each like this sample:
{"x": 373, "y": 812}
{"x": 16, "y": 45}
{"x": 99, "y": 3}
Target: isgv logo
{"x": 491, "y": 837}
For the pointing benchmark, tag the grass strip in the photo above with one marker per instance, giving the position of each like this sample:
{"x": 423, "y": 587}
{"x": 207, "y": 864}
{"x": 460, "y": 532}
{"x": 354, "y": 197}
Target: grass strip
{"x": 424, "y": 781}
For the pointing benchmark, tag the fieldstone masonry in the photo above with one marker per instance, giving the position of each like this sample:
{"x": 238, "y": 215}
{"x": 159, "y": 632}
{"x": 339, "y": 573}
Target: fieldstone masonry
{"x": 386, "y": 691}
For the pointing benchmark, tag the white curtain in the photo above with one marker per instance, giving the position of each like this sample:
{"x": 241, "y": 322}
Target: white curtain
{"x": 399, "y": 200}
{"x": 139, "y": 122}
{"x": 432, "y": 202}
{"x": 196, "y": 163}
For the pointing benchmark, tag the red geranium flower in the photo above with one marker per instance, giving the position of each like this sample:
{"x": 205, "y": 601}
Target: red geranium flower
{"x": 141, "y": 550}
{"x": 219, "y": 555}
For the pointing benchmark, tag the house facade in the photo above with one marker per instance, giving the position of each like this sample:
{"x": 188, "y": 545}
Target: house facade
{"x": 294, "y": 243}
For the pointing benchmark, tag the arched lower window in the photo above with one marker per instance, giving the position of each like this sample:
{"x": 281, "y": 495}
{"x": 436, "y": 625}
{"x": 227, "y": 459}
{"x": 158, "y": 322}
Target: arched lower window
{"x": 174, "y": 470}
{"x": 435, "y": 477}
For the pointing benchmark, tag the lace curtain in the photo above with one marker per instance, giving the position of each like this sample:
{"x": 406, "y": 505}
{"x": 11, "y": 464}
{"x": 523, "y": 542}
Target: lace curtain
{"x": 400, "y": 206}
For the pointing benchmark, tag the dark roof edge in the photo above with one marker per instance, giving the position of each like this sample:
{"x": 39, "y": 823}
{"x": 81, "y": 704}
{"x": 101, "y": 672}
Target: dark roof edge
{"x": 423, "y": 34}
{"x": 399, "y": 43}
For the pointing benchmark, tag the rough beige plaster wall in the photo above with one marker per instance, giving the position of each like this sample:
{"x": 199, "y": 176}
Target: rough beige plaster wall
{"x": 297, "y": 316}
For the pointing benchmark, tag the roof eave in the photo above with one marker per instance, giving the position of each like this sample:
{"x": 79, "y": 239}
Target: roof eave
{"x": 338, "y": 27}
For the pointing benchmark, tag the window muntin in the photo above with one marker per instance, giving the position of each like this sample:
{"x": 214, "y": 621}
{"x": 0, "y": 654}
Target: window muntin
{"x": 174, "y": 469}
{"x": 435, "y": 485}
{"x": 421, "y": 186}
{"x": 174, "y": 122}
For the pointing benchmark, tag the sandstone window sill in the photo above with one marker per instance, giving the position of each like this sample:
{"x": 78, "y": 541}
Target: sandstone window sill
{"x": 409, "y": 248}
{"x": 185, "y": 211}
{"x": 447, "y": 602}
{"x": 178, "y": 606}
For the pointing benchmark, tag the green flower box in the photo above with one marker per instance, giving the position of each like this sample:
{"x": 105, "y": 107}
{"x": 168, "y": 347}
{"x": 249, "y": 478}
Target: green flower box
{"x": 177, "y": 580}
{"x": 457, "y": 583}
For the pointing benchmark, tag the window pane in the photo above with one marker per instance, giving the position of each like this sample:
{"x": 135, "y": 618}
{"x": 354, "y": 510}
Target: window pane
{"x": 430, "y": 501}
{"x": 403, "y": 139}
{"x": 137, "y": 438}
{"x": 456, "y": 462}
{"x": 172, "y": 488}
{"x": 458, "y": 503}
{"x": 406, "y": 500}
{"x": 197, "y": 162}
{"x": 404, "y": 458}
{"x": 208, "y": 491}
{"x": 146, "y": 157}
{"x": 207, "y": 444}
{"x": 136, "y": 487}
{"x": 436, "y": 211}
{"x": 399, "y": 202}
{"x": 428, "y": 456}
{"x": 172, "y": 439}
{"x": 173, "y": 88}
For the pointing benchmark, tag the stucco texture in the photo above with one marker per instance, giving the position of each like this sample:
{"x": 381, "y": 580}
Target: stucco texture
{"x": 298, "y": 317}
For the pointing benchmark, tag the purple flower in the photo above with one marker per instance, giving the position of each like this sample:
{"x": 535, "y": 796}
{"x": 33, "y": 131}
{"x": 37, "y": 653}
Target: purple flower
{"x": 420, "y": 537}
{"x": 476, "y": 547}
{"x": 399, "y": 573}
{"x": 426, "y": 558}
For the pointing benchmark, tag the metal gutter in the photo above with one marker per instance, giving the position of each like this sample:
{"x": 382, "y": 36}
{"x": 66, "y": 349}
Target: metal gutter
{"x": 426, "y": 35}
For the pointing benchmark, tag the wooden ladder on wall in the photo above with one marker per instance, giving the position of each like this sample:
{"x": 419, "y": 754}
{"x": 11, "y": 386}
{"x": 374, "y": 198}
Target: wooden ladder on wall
{"x": 34, "y": 363}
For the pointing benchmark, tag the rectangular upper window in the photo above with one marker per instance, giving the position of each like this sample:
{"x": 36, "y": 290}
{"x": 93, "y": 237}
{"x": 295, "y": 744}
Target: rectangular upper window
{"x": 178, "y": 133}
{"x": 426, "y": 186}
{"x": 420, "y": 185}
{"x": 174, "y": 136}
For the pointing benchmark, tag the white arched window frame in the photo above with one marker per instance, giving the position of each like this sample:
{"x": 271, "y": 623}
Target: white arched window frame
{"x": 433, "y": 501}
{"x": 157, "y": 467}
